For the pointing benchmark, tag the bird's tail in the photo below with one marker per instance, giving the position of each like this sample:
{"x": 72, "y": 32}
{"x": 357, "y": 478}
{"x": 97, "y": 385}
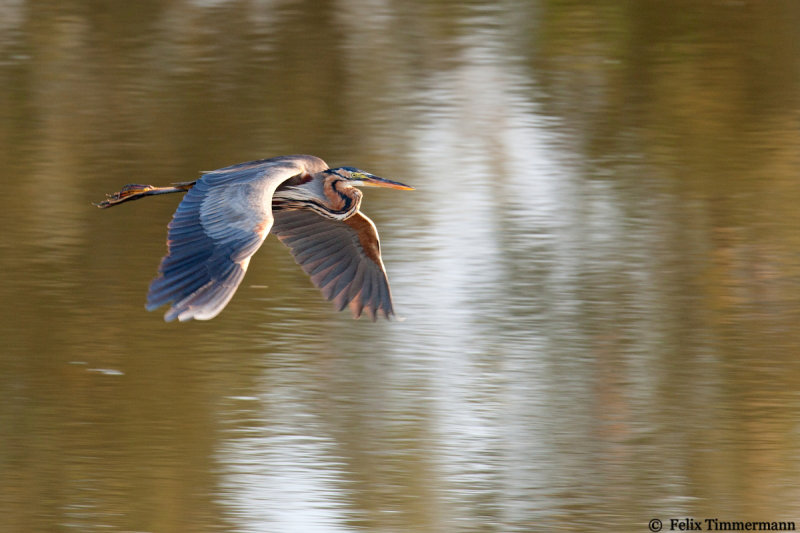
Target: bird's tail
{"x": 134, "y": 191}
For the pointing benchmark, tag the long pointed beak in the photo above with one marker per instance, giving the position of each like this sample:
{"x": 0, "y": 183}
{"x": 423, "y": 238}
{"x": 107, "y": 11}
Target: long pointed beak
{"x": 374, "y": 181}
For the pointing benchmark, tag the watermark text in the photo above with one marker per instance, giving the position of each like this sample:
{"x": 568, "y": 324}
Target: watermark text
{"x": 717, "y": 524}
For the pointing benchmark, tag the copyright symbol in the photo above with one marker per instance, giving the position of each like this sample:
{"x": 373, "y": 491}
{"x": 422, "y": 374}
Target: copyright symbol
{"x": 655, "y": 524}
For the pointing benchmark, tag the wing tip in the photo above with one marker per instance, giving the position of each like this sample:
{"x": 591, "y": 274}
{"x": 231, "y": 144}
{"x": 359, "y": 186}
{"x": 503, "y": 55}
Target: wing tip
{"x": 202, "y": 303}
{"x": 373, "y": 314}
{"x": 188, "y": 312}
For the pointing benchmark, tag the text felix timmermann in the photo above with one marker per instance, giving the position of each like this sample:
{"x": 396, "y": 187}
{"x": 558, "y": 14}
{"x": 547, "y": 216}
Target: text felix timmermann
{"x": 715, "y": 524}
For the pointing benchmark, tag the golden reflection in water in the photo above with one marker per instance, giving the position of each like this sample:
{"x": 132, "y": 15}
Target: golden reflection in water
{"x": 599, "y": 269}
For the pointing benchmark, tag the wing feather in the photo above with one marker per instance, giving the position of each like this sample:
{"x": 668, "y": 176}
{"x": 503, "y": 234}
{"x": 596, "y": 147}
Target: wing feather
{"x": 318, "y": 251}
{"x": 355, "y": 286}
{"x": 218, "y": 226}
{"x": 337, "y": 272}
{"x": 341, "y": 257}
{"x": 370, "y": 289}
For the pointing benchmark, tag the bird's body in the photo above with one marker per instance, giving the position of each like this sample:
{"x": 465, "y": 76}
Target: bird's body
{"x": 227, "y": 213}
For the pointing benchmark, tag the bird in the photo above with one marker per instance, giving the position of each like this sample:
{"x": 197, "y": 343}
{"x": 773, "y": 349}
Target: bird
{"x": 227, "y": 214}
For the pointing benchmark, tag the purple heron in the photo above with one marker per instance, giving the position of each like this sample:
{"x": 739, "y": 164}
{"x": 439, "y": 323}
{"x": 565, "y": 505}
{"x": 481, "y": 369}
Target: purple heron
{"x": 227, "y": 213}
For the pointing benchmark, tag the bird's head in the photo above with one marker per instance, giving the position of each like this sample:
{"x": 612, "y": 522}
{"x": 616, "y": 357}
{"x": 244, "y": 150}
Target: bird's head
{"x": 358, "y": 178}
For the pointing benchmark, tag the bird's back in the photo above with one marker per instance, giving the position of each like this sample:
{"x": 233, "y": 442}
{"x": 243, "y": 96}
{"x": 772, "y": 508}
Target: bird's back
{"x": 302, "y": 162}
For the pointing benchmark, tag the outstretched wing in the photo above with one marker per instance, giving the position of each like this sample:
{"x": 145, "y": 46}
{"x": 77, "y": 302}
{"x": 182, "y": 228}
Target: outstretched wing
{"x": 343, "y": 259}
{"x": 220, "y": 223}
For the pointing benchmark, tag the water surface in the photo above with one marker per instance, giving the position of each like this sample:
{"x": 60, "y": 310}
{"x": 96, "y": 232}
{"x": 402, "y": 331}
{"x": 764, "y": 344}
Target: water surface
{"x": 599, "y": 272}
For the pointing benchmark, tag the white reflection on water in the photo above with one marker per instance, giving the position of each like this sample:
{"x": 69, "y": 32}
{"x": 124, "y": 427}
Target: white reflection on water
{"x": 465, "y": 370}
{"x": 279, "y": 473}
{"x": 489, "y": 380}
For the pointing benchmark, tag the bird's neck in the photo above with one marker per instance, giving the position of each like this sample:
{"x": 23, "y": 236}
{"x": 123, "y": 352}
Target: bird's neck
{"x": 338, "y": 201}
{"x": 343, "y": 199}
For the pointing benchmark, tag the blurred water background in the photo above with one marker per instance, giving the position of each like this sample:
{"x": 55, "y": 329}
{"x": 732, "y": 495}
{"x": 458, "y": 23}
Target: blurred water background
{"x": 599, "y": 271}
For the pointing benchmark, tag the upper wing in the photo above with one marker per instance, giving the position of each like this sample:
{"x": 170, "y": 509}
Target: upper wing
{"x": 220, "y": 223}
{"x": 343, "y": 258}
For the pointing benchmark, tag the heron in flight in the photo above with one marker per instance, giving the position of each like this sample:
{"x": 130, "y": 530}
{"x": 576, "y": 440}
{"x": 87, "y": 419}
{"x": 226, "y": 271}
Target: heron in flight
{"x": 227, "y": 214}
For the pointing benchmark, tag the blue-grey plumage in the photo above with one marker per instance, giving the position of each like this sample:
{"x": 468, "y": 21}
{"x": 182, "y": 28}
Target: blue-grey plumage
{"x": 227, "y": 213}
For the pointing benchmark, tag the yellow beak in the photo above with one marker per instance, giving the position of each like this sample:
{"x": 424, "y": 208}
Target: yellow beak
{"x": 374, "y": 181}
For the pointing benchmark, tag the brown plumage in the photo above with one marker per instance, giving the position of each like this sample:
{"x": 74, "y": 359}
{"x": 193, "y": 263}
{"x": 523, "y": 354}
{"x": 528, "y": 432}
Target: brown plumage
{"x": 227, "y": 214}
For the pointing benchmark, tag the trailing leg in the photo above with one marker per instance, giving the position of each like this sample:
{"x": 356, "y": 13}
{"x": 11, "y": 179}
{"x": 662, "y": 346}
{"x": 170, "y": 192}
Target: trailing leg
{"x": 135, "y": 191}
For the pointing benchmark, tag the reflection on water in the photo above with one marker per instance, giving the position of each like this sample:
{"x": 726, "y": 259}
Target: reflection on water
{"x": 598, "y": 271}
